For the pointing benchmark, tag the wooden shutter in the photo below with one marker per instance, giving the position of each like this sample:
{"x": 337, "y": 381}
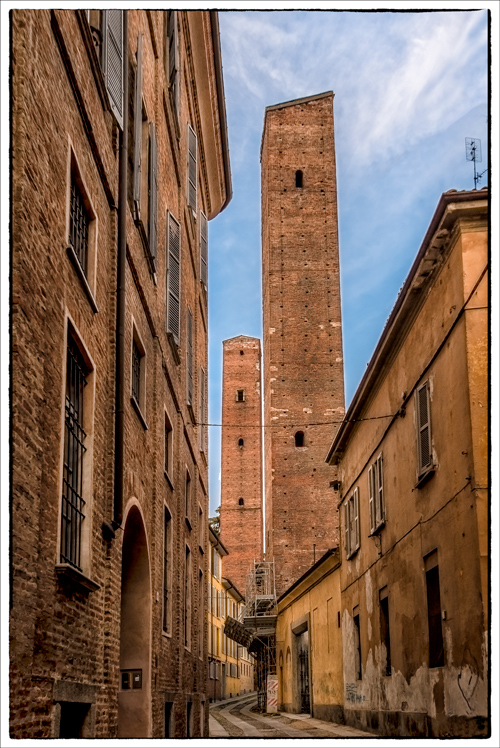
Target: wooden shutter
{"x": 138, "y": 131}
{"x": 202, "y": 409}
{"x": 192, "y": 168}
{"x": 173, "y": 58}
{"x": 347, "y": 534}
{"x": 113, "y": 61}
{"x": 204, "y": 249}
{"x": 424, "y": 428}
{"x": 173, "y": 278}
{"x": 379, "y": 500}
{"x": 189, "y": 358}
{"x": 371, "y": 497}
{"x": 356, "y": 517}
{"x": 153, "y": 191}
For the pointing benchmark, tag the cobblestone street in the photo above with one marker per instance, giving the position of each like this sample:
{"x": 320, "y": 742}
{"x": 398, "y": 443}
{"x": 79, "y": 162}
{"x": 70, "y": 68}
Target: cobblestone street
{"x": 235, "y": 719}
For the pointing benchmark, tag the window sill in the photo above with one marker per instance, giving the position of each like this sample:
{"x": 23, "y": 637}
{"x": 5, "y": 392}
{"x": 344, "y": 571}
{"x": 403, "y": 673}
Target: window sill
{"x": 201, "y": 549}
{"x": 167, "y": 478}
{"x": 139, "y": 412}
{"x": 352, "y": 554}
{"x": 188, "y": 523}
{"x": 174, "y": 347}
{"x": 166, "y": 634}
{"x": 68, "y": 573}
{"x": 83, "y": 278}
{"x": 378, "y": 529}
{"x": 424, "y": 477}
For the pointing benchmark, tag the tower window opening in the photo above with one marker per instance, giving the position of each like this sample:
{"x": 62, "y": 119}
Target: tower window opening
{"x": 240, "y": 442}
{"x": 241, "y": 502}
{"x": 240, "y": 396}
{"x": 298, "y": 178}
{"x": 299, "y": 439}
{"x": 242, "y": 353}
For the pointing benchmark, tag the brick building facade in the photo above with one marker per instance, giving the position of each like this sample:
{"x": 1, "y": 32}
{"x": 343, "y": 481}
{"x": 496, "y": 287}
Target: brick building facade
{"x": 119, "y": 160}
{"x": 241, "y": 514}
{"x": 303, "y": 382}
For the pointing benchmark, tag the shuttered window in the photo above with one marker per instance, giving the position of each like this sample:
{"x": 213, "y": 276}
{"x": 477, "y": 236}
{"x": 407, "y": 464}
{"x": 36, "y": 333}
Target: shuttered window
{"x": 376, "y": 494}
{"x": 138, "y": 131}
{"x": 172, "y": 60}
{"x": 113, "y": 61}
{"x": 203, "y": 415}
{"x": 351, "y": 514}
{"x": 189, "y": 358}
{"x": 153, "y": 190}
{"x": 424, "y": 429}
{"x": 204, "y": 249}
{"x": 173, "y": 277}
{"x": 192, "y": 168}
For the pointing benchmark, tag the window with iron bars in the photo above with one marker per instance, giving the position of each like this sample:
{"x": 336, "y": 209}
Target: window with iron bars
{"x": 73, "y": 503}
{"x": 79, "y": 221}
{"x": 136, "y": 372}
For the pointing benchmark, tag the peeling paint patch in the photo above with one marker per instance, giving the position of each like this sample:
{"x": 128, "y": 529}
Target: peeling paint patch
{"x": 271, "y": 330}
{"x": 335, "y": 324}
{"x": 273, "y": 368}
{"x": 339, "y": 360}
{"x": 273, "y": 379}
{"x": 321, "y": 327}
{"x": 307, "y": 410}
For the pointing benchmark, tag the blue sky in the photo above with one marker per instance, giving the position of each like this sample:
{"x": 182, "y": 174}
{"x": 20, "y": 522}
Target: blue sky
{"x": 409, "y": 88}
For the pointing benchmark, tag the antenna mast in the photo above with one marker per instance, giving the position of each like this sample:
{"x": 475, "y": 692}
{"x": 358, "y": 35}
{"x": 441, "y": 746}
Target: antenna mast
{"x": 473, "y": 153}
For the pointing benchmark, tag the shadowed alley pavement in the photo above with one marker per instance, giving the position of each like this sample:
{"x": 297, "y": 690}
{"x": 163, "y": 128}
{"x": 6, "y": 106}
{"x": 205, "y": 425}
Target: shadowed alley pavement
{"x": 234, "y": 718}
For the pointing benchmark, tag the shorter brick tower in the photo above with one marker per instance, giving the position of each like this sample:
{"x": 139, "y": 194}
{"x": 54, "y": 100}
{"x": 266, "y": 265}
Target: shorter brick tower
{"x": 241, "y": 514}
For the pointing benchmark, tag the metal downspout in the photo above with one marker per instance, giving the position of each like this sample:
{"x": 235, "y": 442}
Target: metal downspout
{"x": 120, "y": 296}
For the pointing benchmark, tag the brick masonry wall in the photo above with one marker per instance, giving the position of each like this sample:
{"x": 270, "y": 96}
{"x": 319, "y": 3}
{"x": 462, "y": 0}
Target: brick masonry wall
{"x": 241, "y": 473}
{"x": 303, "y": 365}
{"x": 60, "y": 634}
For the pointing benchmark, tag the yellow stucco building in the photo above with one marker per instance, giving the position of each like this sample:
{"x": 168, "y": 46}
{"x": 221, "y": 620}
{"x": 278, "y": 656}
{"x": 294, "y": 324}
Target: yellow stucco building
{"x": 412, "y": 456}
{"x": 309, "y": 642}
{"x": 230, "y": 666}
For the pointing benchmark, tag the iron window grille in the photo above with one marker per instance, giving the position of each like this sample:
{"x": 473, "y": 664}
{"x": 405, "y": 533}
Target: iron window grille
{"x": 136, "y": 372}
{"x": 73, "y": 503}
{"x": 79, "y": 226}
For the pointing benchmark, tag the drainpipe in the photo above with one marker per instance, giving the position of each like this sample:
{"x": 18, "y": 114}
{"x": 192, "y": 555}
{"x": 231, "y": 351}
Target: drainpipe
{"x": 109, "y": 528}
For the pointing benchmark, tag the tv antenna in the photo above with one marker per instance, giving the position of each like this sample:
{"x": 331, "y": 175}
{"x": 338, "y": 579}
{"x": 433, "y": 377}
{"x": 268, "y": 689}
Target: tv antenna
{"x": 473, "y": 153}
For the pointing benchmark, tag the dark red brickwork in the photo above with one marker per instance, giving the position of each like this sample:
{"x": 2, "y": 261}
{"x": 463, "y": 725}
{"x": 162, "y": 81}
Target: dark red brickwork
{"x": 303, "y": 380}
{"x": 241, "y": 514}
{"x": 67, "y": 634}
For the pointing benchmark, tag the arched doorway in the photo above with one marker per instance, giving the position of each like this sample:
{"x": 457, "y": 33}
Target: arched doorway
{"x": 134, "y": 696}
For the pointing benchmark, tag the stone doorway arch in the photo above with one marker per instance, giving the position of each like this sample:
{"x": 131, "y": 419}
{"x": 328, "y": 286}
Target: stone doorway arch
{"x": 134, "y": 695}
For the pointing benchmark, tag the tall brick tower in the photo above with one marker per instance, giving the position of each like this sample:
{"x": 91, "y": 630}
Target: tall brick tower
{"x": 241, "y": 515}
{"x": 303, "y": 377}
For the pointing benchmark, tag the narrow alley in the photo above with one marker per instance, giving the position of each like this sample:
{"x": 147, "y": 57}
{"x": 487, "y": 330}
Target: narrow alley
{"x": 236, "y": 718}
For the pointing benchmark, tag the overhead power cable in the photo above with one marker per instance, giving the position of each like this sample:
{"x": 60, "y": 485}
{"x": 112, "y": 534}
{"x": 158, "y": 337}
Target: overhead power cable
{"x": 295, "y": 425}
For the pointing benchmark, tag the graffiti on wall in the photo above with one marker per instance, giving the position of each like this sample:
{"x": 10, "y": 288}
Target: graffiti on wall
{"x": 352, "y": 694}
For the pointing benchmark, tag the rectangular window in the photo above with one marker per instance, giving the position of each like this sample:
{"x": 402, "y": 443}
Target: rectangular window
{"x": 113, "y": 60}
{"x": 167, "y": 554}
{"x": 79, "y": 221}
{"x": 201, "y": 528}
{"x": 203, "y": 249}
{"x": 357, "y": 644}
{"x": 172, "y": 60}
{"x": 436, "y": 647}
{"x": 189, "y": 359}
{"x": 192, "y": 169}
{"x": 203, "y": 413}
{"x": 351, "y": 515}
{"x": 169, "y": 446}
{"x": 73, "y": 502}
{"x": 201, "y": 614}
{"x": 173, "y": 278}
{"x": 385, "y": 636}
{"x": 187, "y": 599}
{"x": 167, "y": 719}
{"x": 138, "y": 376}
{"x": 187, "y": 495}
{"x": 240, "y": 396}
{"x": 424, "y": 450}
{"x": 136, "y": 372}
{"x": 376, "y": 494}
